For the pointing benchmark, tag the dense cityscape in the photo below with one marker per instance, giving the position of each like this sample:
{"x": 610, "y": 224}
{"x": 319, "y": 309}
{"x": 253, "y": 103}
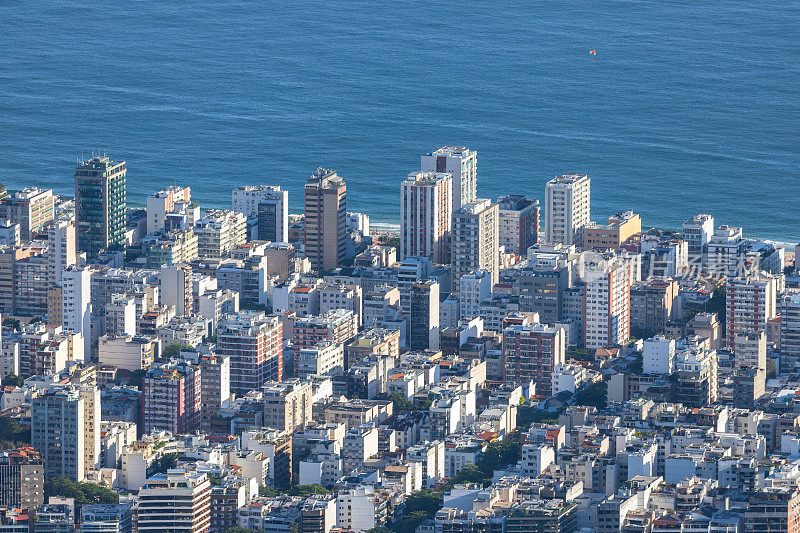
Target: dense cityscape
{"x": 495, "y": 366}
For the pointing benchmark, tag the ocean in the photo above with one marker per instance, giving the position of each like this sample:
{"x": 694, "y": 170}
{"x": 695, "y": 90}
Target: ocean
{"x": 687, "y": 107}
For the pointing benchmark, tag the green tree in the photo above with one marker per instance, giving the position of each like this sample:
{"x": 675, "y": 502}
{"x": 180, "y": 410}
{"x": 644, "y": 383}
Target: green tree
{"x": 637, "y": 365}
{"x": 12, "y": 380}
{"x": 595, "y": 394}
{"x": 163, "y": 463}
{"x": 402, "y": 405}
{"x": 82, "y": 492}
{"x": 528, "y": 415}
{"x": 11, "y": 323}
{"x": 471, "y": 474}
{"x": 13, "y": 434}
{"x": 171, "y": 350}
{"x": 237, "y": 529}
{"x": 499, "y": 454}
{"x": 378, "y": 530}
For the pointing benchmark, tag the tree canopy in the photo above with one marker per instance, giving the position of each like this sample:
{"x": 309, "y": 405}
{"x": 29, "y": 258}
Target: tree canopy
{"x": 82, "y": 492}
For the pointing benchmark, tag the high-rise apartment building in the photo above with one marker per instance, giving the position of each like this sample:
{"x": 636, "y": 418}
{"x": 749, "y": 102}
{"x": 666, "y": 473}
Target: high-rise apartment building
{"x": 219, "y": 232}
{"x": 215, "y": 385}
{"x": 339, "y": 326}
{"x": 177, "y": 501}
{"x": 76, "y": 301}
{"x": 100, "y": 204}
{"x": 530, "y": 352}
{"x": 62, "y": 246}
{"x": 790, "y": 325}
{"x": 21, "y": 478}
{"x": 325, "y": 212}
{"x": 519, "y": 223}
{"x": 65, "y": 429}
{"x": 171, "y": 398}
{"x": 607, "y": 303}
{"x": 254, "y": 342}
{"x": 426, "y": 215}
{"x": 750, "y": 350}
{"x": 425, "y": 315}
{"x": 462, "y": 163}
{"x": 287, "y": 404}
{"x": 475, "y": 240}
{"x": 176, "y": 289}
{"x": 697, "y": 232}
{"x": 32, "y": 208}
{"x": 162, "y": 203}
{"x": 750, "y": 305}
{"x": 567, "y": 208}
{"x": 268, "y": 204}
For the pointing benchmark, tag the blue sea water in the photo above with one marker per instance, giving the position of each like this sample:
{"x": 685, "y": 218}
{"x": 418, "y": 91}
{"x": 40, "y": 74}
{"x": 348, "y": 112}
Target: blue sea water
{"x": 687, "y": 107}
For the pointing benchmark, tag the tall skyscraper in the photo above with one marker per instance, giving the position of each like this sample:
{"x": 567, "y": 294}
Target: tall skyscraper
{"x": 462, "y": 163}
{"x": 426, "y": 216}
{"x": 100, "y": 204}
{"x": 325, "y": 210}
{"x": 475, "y": 241}
{"x": 254, "y": 342}
{"x": 567, "y": 207}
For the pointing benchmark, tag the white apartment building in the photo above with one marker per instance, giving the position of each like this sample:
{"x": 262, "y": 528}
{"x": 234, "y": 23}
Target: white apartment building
{"x": 725, "y": 253}
{"x": 607, "y": 302}
{"x": 658, "y": 355}
{"x": 162, "y": 203}
{"x": 287, "y": 404}
{"x": 360, "y": 443}
{"x": 359, "y": 509}
{"x": 697, "y": 232}
{"x": 219, "y": 231}
{"x": 567, "y": 207}
{"x": 475, "y": 240}
{"x": 431, "y": 455}
{"x": 334, "y": 296}
{"x": 76, "y": 300}
{"x": 750, "y": 350}
{"x": 120, "y": 316}
{"x": 127, "y": 352}
{"x": 322, "y": 359}
{"x": 474, "y": 288}
{"x": 426, "y": 215}
{"x": 177, "y": 501}
{"x": 462, "y": 163}
{"x": 62, "y": 247}
{"x": 269, "y": 204}
{"x": 750, "y": 305}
